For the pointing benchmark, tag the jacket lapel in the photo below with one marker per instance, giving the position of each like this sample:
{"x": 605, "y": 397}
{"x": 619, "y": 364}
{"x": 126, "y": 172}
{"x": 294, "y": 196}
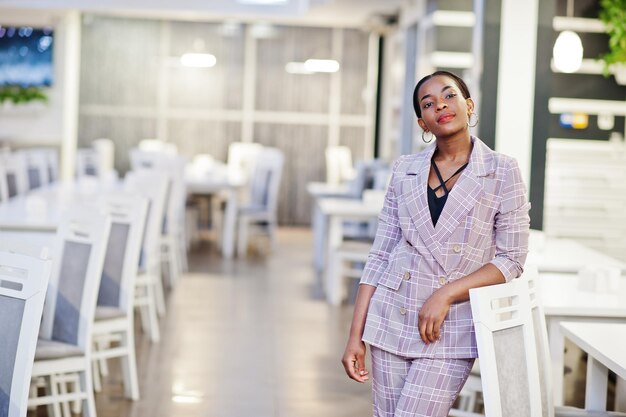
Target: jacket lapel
{"x": 466, "y": 192}
{"x": 417, "y": 201}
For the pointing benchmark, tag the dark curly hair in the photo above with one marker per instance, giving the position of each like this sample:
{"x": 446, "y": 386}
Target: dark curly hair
{"x": 458, "y": 81}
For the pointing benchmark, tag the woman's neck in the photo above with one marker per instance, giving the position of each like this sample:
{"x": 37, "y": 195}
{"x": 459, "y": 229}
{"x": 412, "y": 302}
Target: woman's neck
{"x": 454, "y": 149}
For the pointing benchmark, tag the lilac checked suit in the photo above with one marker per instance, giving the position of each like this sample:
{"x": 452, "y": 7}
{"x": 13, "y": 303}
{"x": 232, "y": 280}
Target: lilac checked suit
{"x": 485, "y": 220}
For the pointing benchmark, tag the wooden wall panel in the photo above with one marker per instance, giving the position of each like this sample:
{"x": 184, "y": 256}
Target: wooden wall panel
{"x": 277, "y": 90}
{"x": 119, "y": 61}
{"x": 203, "y": 136}
{"x": 354, "y": 71}
{"x": 125, "y": 132}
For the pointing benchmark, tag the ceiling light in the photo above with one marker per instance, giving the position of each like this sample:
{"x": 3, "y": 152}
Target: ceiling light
{"x": 263, "y": 2}
{"x": 568, "y": 52}
{"x": 198, "y": 60}
{"x": 321, "y": 65}
{"x": 297, "y": 68}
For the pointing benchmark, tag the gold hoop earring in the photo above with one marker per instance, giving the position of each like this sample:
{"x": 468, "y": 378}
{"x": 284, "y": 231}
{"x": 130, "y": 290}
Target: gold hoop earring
{"x": 431, "y": 136}
{"x": 469, "y": 120}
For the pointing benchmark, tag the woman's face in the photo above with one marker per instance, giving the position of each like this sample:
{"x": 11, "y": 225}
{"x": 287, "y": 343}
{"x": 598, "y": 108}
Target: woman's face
{"x": 445, "y": 111}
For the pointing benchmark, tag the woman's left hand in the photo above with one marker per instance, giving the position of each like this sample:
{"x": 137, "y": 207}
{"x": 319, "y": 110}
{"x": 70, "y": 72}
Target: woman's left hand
{"x": 432, "y": 314}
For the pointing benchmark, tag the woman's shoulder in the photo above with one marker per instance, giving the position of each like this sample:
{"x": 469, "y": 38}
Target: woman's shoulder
{"x": 500, "y": 161}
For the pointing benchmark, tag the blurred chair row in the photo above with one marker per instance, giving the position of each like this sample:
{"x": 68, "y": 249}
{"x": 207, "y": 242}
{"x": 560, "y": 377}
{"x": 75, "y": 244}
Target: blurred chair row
{"x": 25, "y": 170}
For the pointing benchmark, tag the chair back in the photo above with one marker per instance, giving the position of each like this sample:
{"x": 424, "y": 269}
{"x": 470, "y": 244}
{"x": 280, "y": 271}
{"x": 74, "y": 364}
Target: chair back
{"x": 69, "y": 312}
{"x": 4, "y": 187}
{"x": 338, "y": 164}
{"x": 36, "y": 168}
{"x": 174, "y": 167}
{"x": 242, "y": 158}
{"x": 265, "y": 183}
{"x": 128, "y": 217}
{"x": 87, "y": 162}
{"x": 15, "y": 174}
{"x": 23, "y": 283}
{"x": 105, "y": 148}
{"x": 507, "y": 350}
{"x": 153, "y": 186}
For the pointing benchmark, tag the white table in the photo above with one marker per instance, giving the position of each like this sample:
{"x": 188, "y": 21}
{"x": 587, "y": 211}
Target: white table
{"x": 319, "y": 190}
{"x": 41, "y": 209}
{"x": 337, "y": 211}
{"x": 605, "y": 345}
{"x": 220, "y": 181}
{"x": 565, "y": 255}
{"x": 565, "y": 299}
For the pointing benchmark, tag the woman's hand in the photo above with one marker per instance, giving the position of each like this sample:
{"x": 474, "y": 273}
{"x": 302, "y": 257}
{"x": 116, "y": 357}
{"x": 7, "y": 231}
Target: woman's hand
{"x": 432, "y": 314}
{"x": 354, "y": 360}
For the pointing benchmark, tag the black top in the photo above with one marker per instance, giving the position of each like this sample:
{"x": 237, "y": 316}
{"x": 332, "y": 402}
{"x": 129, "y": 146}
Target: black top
{"x": 435, "y": 204}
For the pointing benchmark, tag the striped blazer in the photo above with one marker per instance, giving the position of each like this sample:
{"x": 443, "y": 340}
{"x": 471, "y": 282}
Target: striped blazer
{"x": 485, "y": 220}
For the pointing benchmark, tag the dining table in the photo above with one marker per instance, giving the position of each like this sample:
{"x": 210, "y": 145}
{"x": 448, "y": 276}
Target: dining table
{"x": 567, "y": 297}
{"x": 218, "y": 179}
{"x": 604, "y": 344}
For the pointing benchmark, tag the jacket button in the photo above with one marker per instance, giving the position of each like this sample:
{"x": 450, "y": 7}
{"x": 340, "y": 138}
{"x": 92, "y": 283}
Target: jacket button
{"x": 456, "y": 248}
{"x": 402, "y": 311}
{"x": 407, "y": 276}
{"x": 443, "y": 281}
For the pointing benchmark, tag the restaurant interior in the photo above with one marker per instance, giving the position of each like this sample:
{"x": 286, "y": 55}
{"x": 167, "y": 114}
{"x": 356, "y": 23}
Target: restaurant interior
{"x": 189, "y": 192}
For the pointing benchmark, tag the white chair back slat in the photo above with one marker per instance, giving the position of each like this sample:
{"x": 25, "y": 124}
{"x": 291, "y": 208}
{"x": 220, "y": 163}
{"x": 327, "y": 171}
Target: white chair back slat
{"x": 23, "y": 285}
{"x": 339, "y": 164}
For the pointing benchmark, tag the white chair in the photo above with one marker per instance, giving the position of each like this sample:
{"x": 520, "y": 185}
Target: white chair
{"x": 105, "y": 148}
{"x": 173, "y": 241}
{"x": 64, "y": 345}
{"x": 23, "y": 284}
{"x": 242, "y": 158}
{"x": 4, "y": 186}
{"x": 87, "y": 162}
{"x": 506, "y": 348}
{"x": 36, "y": 167}
{"x": 349, "y": 253}
{"x": 15, "y": 174}
{"x": 339, "y": 164}
{"x": 263, "y": 203}
{"x": 114, "y": 312}
{"x": 149, "y": 293}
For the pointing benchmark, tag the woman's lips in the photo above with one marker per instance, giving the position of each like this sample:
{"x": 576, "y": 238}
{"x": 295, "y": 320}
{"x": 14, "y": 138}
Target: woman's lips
{"x": 445, "y": 118}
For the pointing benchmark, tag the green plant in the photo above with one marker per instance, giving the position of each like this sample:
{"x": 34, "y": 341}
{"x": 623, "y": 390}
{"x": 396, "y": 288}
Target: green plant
{"x": 613, "y": 15}
{"x": 19, "y": 95}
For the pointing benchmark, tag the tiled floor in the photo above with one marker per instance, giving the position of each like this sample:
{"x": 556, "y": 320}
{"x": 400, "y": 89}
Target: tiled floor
{"x": 245, "y": 338}
{"x": 250, "y": 338}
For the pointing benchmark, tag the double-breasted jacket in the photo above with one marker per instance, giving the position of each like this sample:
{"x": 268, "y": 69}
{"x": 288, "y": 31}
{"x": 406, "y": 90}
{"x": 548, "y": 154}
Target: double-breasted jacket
{"x": 485, "y": 220}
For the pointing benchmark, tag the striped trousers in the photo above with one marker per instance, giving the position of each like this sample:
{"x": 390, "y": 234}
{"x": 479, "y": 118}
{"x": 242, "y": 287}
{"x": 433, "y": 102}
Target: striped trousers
{"x": 415, "y": 387}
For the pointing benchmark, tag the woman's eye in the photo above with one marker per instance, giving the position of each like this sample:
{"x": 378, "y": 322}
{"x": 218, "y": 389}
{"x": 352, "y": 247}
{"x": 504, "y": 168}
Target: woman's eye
{"x": 427, "y": 105}
{"x": 451, "y": 95}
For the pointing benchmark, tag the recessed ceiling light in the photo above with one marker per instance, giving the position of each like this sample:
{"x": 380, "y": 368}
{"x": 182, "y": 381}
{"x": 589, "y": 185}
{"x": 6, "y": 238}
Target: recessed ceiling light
{"x": 198, "y": 60}
{"x": 263, "y": 2}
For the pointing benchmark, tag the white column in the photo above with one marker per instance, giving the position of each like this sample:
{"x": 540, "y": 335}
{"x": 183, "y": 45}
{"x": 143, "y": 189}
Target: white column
{"x": 516, "y": 81}
{"x": 334, "y": 128}
{"x": 71, "y": 82}
{"x": 370, "y": 95}
{"x": 249, "y": 86}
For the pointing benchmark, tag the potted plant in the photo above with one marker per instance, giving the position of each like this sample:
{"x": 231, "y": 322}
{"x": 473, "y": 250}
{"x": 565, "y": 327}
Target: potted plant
{"x": 613, "y": 15}
{"x": 16, "y": 95}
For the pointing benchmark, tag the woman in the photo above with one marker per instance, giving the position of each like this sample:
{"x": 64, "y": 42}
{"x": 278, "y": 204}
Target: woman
{"x": 455, "y": 217}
